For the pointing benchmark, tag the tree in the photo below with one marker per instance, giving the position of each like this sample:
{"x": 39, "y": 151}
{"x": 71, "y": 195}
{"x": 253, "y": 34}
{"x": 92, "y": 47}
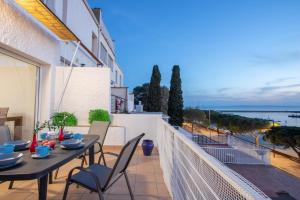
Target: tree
{"x": 141, "y": 94}
{"x": 154, "y": 95}
{"x": 164, "y": 99}
{"x": 195, "y": 115}
{"x": 287, "y": 136}
{"x": 175, "y": 103}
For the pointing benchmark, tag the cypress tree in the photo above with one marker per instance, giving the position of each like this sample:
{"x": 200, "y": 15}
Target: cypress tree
{"x": 154, "y": 94}
{"x": 175, "y": 103}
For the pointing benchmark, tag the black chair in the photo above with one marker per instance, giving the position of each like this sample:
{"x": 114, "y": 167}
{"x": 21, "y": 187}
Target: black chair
{"x": 97, "y": 128}
{"x": 99, "y": 178}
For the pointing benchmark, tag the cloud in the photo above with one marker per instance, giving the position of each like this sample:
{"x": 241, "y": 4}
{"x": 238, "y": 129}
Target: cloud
{"x": 277, "y": 58}
{"x": 280, "y": 87}
{"x": 266, "y": 95}
{"x": 280, "y": 80}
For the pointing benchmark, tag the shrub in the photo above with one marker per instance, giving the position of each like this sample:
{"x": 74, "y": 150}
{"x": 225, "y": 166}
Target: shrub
{"x": 64, "y": 119}
{"x": 98, "y": 115}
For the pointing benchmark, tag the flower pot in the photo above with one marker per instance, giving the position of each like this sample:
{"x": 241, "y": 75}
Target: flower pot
{"x": 33, "y": 144}
{"x": 147, "y": 147}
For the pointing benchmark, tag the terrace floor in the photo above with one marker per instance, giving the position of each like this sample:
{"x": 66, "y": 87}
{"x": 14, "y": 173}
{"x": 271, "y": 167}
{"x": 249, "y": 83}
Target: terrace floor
{"x": 145, "y": 176}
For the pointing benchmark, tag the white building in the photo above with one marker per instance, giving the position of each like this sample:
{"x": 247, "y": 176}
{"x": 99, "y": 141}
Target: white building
{"x": 35, "y": 57}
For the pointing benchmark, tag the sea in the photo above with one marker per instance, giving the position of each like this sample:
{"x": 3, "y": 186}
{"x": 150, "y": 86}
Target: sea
{"x": 274, "y": 113}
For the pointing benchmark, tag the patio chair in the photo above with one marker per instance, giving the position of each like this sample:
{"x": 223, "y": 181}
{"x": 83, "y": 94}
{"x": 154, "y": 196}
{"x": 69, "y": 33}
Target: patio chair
{"x": 3, "y": 115}
{"x": 97, "y": 128}
{"x": 99, "y": 178}
{"x": 5, "y": 135}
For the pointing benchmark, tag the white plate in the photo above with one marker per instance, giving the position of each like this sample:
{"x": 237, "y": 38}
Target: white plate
{"x": 36, "y": 156}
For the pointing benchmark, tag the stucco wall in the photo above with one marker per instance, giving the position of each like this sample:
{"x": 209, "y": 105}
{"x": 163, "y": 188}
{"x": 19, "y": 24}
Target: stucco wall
{"x": 127, "y": 126}
{"x": 19, "y": 31}
{"x": 88, "y": 88}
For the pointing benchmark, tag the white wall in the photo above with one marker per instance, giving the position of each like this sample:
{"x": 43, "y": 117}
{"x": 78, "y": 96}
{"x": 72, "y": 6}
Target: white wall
{"x": 20, "y": 32}
{"x": 88, "y": 88}
{"x": 127, "y": 126}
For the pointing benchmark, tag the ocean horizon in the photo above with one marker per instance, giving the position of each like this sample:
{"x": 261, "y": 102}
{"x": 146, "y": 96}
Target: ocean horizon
{"x": 253, "y": 108}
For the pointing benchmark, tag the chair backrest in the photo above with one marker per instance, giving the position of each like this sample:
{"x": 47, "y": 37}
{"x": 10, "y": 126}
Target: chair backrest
{"x": 124, "y": 157}
{"x": 4, "y": 134}
{"x": 3, "y": 115}
{"x": 99, "y": 128}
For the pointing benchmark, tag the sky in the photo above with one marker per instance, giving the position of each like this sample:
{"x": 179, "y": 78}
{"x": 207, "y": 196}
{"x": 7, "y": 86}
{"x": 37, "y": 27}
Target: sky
{"x": 231, "y": 52}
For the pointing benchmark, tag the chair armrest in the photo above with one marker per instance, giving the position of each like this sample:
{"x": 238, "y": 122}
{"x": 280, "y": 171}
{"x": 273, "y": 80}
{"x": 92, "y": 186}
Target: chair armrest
{"x": 111, "y": 153}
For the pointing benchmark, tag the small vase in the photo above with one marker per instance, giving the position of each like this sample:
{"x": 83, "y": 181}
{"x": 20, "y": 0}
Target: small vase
{"x": 34, "y": 144}
{"x": 61, "y": 134}
{"x": 147, "y": 146}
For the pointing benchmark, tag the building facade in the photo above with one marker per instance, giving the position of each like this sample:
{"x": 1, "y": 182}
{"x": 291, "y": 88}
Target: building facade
{"x": 35, "y": 74}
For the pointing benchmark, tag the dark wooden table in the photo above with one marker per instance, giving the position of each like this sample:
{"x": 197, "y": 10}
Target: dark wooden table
{"x": 40, "y": 168}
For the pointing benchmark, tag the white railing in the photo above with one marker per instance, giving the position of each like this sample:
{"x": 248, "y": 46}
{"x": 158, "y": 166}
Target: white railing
{"x": 192, "y": 174}
{"x": 240, "y": 155}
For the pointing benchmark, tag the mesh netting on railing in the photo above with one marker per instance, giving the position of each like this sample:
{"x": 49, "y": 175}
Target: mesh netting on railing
{"x": 192, "y": 174}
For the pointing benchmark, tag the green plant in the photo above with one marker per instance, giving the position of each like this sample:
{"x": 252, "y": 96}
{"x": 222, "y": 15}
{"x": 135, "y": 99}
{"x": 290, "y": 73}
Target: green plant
{"x": 98, "y": 115}
{"x": 175, "y": 103}
{"x": 288, "y": 136}
{"x": 154, "y": 95}
{"x": 62, "y": 119}
{"x": 39, "y": 126}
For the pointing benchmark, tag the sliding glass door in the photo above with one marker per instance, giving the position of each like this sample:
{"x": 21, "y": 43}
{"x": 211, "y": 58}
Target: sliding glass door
{"x": 19, "y": 83}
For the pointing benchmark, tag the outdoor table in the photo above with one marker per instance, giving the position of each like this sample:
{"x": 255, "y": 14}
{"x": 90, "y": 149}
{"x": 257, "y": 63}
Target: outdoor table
{"x": 31, "y": 168}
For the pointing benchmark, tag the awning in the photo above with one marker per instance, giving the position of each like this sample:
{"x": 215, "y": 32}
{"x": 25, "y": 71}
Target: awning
{"x": 43, "y": 14}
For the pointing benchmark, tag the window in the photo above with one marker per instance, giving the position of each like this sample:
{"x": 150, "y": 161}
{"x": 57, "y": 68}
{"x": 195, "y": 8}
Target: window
{"x": 110, "y": 62}
{"x": 50, "y": 4}
{"x": 120, "y": 80}
{"x": 103, "y": 54}
{"x": 116, "y": 78}
{"x": 95, "y": 44}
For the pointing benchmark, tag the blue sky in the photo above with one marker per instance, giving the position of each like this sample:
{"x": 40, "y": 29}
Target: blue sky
{"x": 231, "y": 52}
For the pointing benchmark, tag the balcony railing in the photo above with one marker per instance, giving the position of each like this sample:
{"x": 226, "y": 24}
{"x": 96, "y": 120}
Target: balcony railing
{"x": 191, "y": 173}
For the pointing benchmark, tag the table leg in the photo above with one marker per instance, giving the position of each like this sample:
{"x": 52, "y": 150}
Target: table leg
{"x": 43, "y": 187}
{"x": 91, "y": 155}
{"x": 50, "y": 177}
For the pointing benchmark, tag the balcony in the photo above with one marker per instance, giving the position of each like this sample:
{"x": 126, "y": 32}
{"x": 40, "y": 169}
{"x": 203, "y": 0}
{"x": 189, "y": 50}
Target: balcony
{"x": 145, "y": 177}
{"x": 179, "y": 168}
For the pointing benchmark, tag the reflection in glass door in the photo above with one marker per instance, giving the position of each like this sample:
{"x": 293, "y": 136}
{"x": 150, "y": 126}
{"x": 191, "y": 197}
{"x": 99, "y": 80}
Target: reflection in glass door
{"x": 18, "y": 91}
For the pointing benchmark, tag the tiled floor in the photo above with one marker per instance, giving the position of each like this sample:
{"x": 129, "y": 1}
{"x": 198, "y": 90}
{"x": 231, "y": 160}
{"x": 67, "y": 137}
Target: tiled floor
{"x": 144, "y": 173}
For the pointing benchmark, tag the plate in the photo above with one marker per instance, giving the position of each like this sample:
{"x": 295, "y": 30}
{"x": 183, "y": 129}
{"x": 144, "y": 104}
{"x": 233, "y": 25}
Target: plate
{"x": 72, "y": 143}
{"x": 19, "y": 144}
{"x": 36, "y": 156}
{"x": 9, "y": 159}
{"x": 11, "y": 165}
{"x": 72, "y": 147}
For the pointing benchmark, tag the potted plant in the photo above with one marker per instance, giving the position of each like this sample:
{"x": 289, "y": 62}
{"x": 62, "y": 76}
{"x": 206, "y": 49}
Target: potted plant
{"x": 147, "y": 147}
{"x": 38, "y": 126}
{"x": 61, "y": 120}
{"x": 98, "y": 115}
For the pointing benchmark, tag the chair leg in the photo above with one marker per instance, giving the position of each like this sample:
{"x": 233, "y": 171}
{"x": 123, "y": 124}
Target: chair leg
{"x": 82, "y": 161}
{"x": 128, "y": 185}
{"x": 56, "y": 173}
{"x": 85, "y": 161}
{"x": 100, "y": 195}
{"x": 66, "y": 190}
{"x": 11, "y": 184}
